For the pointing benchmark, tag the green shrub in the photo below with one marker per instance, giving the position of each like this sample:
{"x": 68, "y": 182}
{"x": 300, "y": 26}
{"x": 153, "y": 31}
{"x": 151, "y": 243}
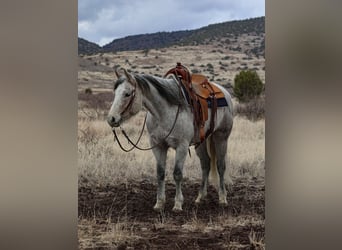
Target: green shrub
{"x": 247, "y": 85}
{"x": 88, "y": 91}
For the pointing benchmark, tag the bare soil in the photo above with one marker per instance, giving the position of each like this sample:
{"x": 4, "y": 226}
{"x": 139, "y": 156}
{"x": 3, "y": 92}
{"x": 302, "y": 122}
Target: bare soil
{"x": 240, "y": 225}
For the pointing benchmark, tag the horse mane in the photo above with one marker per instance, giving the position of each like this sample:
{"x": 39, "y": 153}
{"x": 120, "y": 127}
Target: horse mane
{"x": 170, "y": 92}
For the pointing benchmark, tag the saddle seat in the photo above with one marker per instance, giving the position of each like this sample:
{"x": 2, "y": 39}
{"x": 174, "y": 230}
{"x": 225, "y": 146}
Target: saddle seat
{"x": 203, "y": 88}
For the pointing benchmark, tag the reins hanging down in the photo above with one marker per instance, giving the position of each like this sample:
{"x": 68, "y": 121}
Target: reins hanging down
{"x": 117, "y": 138}
{"x": 135, "y": 145}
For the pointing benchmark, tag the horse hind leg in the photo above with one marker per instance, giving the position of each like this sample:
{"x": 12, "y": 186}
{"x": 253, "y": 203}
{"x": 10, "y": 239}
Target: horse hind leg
{"x": 160, "y": 155}
{"x": 202, "y": 153}
{"x": 220, "y": 143}
{"x": 181, "y": 152}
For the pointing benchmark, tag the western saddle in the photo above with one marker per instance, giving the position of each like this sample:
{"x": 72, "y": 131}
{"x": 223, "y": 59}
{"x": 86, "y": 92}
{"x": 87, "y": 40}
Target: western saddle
{"x": 201, "y": 95}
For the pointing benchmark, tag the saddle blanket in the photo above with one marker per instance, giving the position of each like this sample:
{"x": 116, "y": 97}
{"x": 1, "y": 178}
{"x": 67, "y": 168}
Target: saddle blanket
{"x": 221, "y": 102}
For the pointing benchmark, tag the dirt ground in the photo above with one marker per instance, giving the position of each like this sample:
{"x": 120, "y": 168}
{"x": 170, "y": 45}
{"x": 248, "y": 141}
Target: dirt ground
{"x": 122, "y": 217}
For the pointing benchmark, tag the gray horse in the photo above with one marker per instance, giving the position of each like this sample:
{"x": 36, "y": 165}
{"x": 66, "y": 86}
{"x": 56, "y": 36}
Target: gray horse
{"x": 162, "y": 98}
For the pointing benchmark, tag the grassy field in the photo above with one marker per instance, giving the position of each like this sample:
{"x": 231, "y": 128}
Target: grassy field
{"x": 102, "y": 161}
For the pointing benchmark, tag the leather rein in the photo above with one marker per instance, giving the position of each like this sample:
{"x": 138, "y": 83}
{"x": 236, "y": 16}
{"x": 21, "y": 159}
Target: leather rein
{"x": 135, "y": 145}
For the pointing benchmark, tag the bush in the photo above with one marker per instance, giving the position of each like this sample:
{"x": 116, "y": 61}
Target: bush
{"x": 88, "y": 91}
{"x": 210, "y": 66}
{"x": 247, "y": 85}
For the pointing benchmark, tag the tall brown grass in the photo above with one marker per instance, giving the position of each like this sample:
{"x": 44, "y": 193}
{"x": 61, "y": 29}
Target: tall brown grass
{"x": 253, "y": 110}
{"x": 101, "y": 161}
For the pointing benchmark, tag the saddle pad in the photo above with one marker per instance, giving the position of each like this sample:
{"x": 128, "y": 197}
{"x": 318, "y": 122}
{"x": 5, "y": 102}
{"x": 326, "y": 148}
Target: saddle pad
{"x": 221, "y": 102}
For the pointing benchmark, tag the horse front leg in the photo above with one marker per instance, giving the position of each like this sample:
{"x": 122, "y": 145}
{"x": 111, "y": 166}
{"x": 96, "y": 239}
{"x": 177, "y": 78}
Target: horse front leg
{"x": 181, "y": 152}
{"x": 160, "y": 154}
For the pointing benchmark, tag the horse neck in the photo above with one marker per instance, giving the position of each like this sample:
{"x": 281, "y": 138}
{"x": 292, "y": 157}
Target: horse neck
{"x": 156, "y": 104}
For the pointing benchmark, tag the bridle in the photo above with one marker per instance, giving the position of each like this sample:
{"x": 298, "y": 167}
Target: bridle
{"x": 135, "y": 145}
{"x": 130, "y": 103}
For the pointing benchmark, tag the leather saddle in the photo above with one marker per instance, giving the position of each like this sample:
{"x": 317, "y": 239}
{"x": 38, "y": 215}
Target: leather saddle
{"x": 201, "y": 94}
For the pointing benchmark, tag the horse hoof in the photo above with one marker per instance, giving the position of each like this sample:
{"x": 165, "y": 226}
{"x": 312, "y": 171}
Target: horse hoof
{"x": 177, "y": 210}
{"x": 200, "y": 198}
{"x": 158, "y": 207}
{"x": 223, "y": 203}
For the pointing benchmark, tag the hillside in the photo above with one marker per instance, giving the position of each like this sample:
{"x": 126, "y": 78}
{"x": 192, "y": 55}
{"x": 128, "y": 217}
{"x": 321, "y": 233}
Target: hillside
{"x": 254, "y": 26}
{"x": 146, "y": 41}
{"x": 86, "y": 48}
{"x": 225, "y": 32}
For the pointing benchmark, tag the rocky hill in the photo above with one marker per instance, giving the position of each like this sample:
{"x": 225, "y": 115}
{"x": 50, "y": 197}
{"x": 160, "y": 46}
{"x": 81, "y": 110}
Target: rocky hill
{"x": 232, "y": 29}
{"x": 146, "y": 41}
{"x": 226, "y": 32}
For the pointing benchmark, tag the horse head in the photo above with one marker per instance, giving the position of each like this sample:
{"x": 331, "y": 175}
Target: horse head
{"x": 127, "y": 99}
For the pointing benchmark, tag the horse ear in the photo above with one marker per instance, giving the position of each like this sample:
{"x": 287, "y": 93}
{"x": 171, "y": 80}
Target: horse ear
{"x": 117, "y": 73}
{"x": 129, "y": 77}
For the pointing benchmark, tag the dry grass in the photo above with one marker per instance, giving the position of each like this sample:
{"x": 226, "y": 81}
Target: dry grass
{"x": 101, "y": 161}
{"x": 253, "y": 109}
{"x": 90, "y": 233}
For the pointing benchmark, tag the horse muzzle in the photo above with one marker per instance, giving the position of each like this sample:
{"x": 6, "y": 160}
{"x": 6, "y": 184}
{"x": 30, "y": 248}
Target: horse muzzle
{"x": 113, "y": 122}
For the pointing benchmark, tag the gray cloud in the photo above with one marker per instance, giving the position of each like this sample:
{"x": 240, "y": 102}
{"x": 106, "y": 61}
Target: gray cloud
{"x": 101, "y": 21}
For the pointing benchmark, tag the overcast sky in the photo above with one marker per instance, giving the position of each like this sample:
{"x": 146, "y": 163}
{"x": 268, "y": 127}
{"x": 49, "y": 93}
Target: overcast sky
{"x": 101, "y": 21}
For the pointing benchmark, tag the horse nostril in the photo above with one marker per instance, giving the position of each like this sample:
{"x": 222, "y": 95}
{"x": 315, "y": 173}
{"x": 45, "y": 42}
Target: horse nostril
{"x": 113, "y": 122}
{"x": 110, "y": 120}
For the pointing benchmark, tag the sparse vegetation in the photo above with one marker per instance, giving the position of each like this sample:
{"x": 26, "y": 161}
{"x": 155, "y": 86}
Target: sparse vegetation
{"x": 254, "y": 109}
{"x": 94, "y": 106}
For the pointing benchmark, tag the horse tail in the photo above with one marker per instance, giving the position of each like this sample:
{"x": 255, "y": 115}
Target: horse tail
{"x": 213, "y": 174}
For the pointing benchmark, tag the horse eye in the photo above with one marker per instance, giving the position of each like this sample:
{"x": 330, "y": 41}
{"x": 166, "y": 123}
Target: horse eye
{"x": 127, "y": 94}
